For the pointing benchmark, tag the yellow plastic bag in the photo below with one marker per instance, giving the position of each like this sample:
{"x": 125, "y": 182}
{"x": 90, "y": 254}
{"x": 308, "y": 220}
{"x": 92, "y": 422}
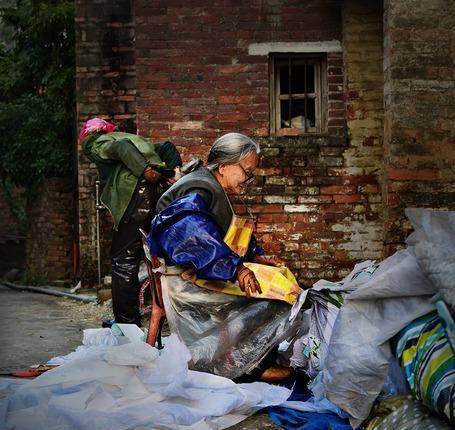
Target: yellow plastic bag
{"x": 277, "y": 283}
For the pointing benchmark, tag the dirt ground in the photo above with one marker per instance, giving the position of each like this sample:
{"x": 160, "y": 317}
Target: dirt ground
{"x": 36, "y": 327}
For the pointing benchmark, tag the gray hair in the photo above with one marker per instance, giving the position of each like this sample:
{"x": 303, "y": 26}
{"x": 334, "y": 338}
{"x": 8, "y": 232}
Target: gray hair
{"x": 230, "y": 148}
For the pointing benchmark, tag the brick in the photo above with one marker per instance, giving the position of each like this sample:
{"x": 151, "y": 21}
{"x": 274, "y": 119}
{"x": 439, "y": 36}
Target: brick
{"x": 351, "y": 198}
{"x": 279, "y": 199}
{"x": 338, "y": 189}
{"x": 413, "y": 175}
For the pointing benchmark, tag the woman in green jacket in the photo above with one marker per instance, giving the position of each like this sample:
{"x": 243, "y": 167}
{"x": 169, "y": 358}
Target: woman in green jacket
{"x": 134, "y": 173}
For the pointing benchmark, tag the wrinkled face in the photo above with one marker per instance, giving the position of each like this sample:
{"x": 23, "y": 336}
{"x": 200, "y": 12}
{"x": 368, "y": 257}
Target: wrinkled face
{"x": 234, "y": 177}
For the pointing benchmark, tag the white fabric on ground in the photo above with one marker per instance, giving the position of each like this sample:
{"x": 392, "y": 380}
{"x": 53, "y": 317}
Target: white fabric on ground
{"x": 99, "y": 336}
{"x": 132, "y": 386}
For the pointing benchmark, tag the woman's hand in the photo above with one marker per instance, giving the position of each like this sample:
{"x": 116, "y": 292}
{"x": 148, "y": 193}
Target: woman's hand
{"x": 151, "y": 175}
{"x": 247, "y": 281}
{"x": 268, "y": 260}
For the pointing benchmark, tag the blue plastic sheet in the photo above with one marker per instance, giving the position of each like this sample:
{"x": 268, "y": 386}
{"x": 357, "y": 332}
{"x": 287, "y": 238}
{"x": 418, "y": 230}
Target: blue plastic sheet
{"x": 291, "y": 419}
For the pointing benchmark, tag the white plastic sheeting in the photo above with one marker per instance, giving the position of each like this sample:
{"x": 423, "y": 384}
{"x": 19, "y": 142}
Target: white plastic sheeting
{"x": 325, "y": 299}
{"x": 131, "y": 386}
{"x": 356, "y": 365}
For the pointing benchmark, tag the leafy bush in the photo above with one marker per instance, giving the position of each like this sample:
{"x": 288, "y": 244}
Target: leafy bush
{"x": 36, "y": 91}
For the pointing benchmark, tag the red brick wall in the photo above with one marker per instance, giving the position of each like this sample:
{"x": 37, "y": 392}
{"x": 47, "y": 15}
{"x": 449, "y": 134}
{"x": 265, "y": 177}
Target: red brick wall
{"x": 317, "y": 198}
{"x": 49, "y": 248}
{"x": 195, "y": 78}
{"x": 324, "y": 202}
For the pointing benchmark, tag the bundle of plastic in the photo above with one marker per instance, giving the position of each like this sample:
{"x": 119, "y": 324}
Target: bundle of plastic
{"x": 358, "y": 356}
{"x": 428, "y": 361}
{"x": 404, "y": 413}
{"x": 131, "y": 386}
{"x": 433, "y": 246}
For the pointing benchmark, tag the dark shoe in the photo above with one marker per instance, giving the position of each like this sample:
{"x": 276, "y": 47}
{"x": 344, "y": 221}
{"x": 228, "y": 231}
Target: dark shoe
{"x": 107, "y": 323}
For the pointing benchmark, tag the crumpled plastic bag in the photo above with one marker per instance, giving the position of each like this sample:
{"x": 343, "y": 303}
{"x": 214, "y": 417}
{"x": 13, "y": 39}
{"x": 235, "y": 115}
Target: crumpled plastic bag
{"x": 132, "y": 386}
{"x": 310, "y": 347}
{"x": 98, "y": 336}
{"x": 227, "y": 335}
{"x": 96, "y": 341}
{"x": 325, "y": 299}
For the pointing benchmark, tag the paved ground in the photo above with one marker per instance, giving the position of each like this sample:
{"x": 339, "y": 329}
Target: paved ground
{"x": 36, "y": 327}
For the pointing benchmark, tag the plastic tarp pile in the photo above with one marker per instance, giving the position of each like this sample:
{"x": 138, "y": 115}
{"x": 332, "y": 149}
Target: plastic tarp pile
{"x": 131, "y": 386}
{"x": 399, "y": 291}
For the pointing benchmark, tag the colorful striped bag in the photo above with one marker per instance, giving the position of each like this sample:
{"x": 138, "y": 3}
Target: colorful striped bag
{"x": 428, "y": 362}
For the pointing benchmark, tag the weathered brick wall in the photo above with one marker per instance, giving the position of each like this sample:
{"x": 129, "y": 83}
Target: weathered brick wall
{"x": 195, "y": 78}
{"x": 49, "y": 246}
{"x": 362, "y": 170}
{"x": 419, "y": 133}
{"x": 105, "y": 87}
{"x": 297, "y": 203}
{"x": 323, "y": 201}
{"x": 318, "y": 198}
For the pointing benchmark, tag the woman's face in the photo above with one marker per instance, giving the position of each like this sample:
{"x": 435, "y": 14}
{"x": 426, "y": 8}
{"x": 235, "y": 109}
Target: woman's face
{"x": 234, "y": 177}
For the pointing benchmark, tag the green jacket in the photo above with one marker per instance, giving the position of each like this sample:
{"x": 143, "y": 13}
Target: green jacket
{"x": 121, "y": 159}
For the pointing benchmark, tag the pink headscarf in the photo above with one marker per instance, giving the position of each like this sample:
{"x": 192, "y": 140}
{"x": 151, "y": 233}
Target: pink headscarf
{"x": 94, "y": 125}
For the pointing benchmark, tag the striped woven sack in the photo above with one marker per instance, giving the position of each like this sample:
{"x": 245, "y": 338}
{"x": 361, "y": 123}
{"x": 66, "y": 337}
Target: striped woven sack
{"x": 428, "y": 362}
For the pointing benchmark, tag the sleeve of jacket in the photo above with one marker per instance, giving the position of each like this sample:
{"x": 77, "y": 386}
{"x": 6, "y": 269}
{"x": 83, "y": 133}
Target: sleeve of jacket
{"x": 194, "y": 239}
{"x": 122, "y": 150}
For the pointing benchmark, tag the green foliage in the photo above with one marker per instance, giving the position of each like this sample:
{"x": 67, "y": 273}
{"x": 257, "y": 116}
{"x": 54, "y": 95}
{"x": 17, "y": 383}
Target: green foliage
{"x": 36, "y": 91}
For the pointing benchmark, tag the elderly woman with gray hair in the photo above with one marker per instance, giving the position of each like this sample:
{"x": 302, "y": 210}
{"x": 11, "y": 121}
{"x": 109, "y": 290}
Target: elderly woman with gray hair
{"x": 226, "y": 335}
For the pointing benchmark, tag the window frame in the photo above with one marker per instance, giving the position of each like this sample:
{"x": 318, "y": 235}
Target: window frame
{"x": 320, "y": 91}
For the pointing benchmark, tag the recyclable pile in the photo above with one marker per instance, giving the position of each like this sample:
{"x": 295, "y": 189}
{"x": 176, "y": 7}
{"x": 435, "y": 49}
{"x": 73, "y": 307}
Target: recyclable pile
{"x": 386, "y": 331}
{"x": 377, "y": 349}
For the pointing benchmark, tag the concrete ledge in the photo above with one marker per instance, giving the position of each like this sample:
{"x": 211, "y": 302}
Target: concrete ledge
{"x": 267, "y": 48}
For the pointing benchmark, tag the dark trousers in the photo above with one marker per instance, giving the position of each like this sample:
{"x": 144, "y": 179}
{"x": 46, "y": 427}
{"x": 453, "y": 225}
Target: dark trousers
{"x": 127, "y": 252}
